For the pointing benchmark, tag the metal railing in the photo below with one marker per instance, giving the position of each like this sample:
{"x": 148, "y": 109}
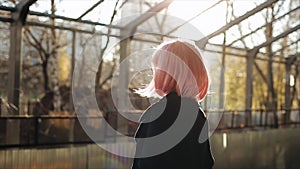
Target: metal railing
{"x": 260, "y": 118}
{"x": 49, "y": 130}
{"x": 52, "y": 130}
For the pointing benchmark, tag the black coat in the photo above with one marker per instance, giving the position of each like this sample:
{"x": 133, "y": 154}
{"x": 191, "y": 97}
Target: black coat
{"x": 188, "y": 153}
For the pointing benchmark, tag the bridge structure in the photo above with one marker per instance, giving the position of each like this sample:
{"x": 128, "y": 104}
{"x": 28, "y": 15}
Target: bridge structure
{"x": 262, "y": 41}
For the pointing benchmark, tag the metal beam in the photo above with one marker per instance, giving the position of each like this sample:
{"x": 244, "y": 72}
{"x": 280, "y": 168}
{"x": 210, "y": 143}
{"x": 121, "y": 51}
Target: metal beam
{"x": 222, "y": 76}
{"x": 287, "y": 93}
{"x": 122, "y": 87}
{"x": 85, "y": 31}
{"x": 74, "y": 20}
{"x": 288, "y": 99}
{"x": 285, "y": 33}
{"x": 242, "y": 50}
{"x": 132, "y": 26}
{"x": 15, "y": 53}
{"x": 260, "y": 72}
{"x": 11, "y": 9}
{"x": 22, "y": 10}
{"x": 255, "y": 30}
{"x": 286, "y": 46}
{"x": 70, "y": 29}
{"x": 3, "y": 19}
{"x": 126, "y": 35}
{"x": 241, "y": 55}
{"x": 249, "y": 86}
{"x": 6, "y": 8}
{"x": 202, "y": 42}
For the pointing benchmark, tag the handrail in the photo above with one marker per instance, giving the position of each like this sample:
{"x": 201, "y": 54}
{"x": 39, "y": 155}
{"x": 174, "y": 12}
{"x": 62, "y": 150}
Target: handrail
{"x": 34, "y": 136}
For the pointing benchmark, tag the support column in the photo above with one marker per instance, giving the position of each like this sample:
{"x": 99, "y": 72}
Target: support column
{"x": 14, "y": 76}
{"x": 249, "y": 86}
{"x": 14, "y": 71}
{"x": 222, "y": 84}
{"x": 287, "y": 104}
{"x": 222, "y": 76}
{"x": 122, "y": 122}
{"x": 72, "y": 112}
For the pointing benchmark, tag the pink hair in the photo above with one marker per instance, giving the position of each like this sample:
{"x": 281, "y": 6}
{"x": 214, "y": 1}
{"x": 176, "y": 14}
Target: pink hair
{"x": 178, "y": 66}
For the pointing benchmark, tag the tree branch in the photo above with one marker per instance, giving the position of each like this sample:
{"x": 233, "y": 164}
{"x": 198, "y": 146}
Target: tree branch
{"x": 36, "y": 44}
{"x": 98, "y": 74}
{"x": 110, "y": 74}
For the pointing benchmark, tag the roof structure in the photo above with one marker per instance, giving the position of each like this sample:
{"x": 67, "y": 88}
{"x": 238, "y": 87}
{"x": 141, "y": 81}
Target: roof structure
{"x": 265, "y": 30}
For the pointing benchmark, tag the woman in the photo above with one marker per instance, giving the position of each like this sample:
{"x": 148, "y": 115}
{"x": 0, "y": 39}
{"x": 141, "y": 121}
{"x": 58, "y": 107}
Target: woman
{"x": 181, "y": 79}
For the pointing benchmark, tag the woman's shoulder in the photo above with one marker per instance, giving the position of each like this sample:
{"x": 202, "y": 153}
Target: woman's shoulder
{"x": 153, "y": 111}
{"x": 158, "y": 108}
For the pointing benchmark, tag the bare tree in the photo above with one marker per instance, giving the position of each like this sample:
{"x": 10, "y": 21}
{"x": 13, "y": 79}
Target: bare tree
{"x": 98, "y": 84}
{"x": 46, "y": 43}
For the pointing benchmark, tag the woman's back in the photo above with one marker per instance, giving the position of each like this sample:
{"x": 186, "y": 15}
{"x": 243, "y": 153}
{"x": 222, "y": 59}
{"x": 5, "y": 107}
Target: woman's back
{"x": 188, "y": 153}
